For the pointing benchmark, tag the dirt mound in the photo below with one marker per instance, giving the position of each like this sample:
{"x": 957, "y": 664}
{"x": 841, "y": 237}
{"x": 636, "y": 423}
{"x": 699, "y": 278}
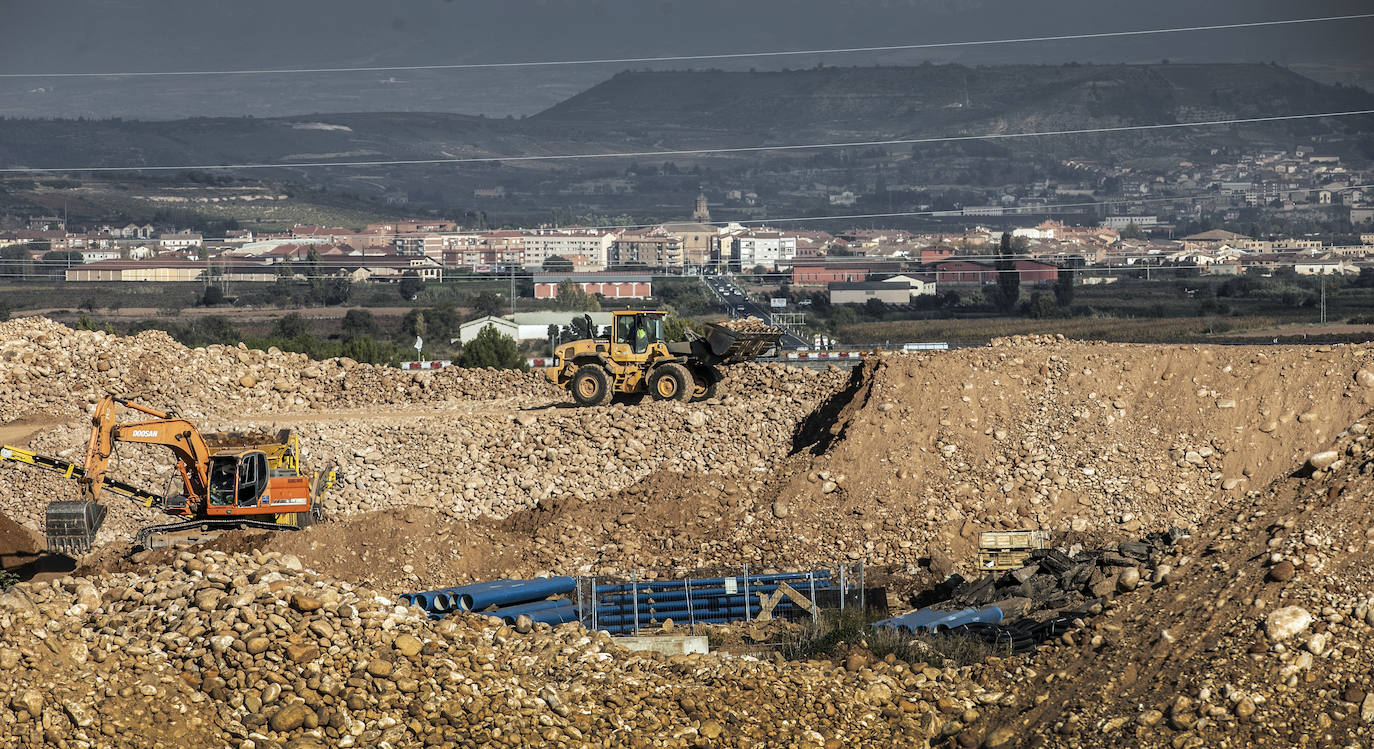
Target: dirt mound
{"x": 1262, "y": 634}
{"x": 1072, "y": 435}
{"x": 16, "y": 539}
{"x": 23, "y": 556}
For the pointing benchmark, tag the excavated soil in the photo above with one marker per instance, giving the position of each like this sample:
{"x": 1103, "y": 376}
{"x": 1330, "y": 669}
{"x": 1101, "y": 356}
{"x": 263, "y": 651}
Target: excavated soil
{"x": 1257, "y": 630}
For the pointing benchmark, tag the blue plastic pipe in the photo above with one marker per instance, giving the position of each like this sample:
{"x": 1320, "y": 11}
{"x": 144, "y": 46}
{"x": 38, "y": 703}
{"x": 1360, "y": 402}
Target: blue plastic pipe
{"x": 528, "y": 591}
{"x": 560, "y": 615}
{"x": 515, "y": 610}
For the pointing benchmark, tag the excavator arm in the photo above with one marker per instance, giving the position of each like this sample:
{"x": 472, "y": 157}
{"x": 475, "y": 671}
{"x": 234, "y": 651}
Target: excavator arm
{"x": 176, "y": 434}
{"x": 71, "y": 525}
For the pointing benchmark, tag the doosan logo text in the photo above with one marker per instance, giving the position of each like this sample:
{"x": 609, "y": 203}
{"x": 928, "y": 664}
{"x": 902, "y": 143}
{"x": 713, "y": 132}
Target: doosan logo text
{"x": 143, "y": 433}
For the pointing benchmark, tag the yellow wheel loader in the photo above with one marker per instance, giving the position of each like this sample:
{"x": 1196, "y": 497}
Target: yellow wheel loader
{"x": 635, "y": 360}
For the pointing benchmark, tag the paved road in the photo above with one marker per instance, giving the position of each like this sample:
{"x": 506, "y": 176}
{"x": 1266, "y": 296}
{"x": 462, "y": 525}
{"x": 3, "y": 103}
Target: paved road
{"x": 740, "y": 305}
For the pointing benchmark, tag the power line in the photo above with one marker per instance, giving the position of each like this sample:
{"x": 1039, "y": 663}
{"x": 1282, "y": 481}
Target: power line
{"x": 689, "y": 151}
{"x": 722, "y": 56}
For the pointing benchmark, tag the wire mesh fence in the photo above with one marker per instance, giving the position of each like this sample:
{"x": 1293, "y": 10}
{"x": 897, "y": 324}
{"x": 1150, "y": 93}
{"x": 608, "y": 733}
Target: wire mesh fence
{"x": 647, "y": 599}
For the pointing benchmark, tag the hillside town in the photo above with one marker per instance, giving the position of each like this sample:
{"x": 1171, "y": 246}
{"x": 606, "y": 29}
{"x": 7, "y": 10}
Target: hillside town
{"x": 857, "y": 264}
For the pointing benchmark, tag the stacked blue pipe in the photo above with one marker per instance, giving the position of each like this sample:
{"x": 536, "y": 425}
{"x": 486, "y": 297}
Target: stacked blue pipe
{"x": 621, "y": 608}
{"x": 625, "y": 607}
{"x": 498, "y": 593}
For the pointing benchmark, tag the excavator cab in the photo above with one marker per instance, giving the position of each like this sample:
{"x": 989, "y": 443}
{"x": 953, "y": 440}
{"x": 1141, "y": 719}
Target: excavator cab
{"x": 238, "y": 480}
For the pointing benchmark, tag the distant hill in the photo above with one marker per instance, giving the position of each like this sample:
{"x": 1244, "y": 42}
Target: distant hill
{"x": 927, "y": 100}
{"x": 668, "y": 110}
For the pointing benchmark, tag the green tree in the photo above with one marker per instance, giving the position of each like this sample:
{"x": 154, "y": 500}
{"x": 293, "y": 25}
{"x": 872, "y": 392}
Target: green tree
{"x": 1132, "y": 232}
{"x": 487, "y": 303}
{"x": 211, "y": 296}
{"x": 491, "y": 349}
{"x": 675, "y": 328}
{"x": 411, "y": 285}
{"x": 61, "y": 259}
{"x": 1063, "y": 288}
{"x": 573, "y": 298}
{"x": 214, "y": 329}
{"x": 558, "y": 264}
{"x": 16, "y": 261}
{"x": 1042, "y": 306}
{"x": 357, "y": 323}
{"x": 875, "y": 308}
{"x": 290, "y": 326}
{"x": 1008, "y": 277}
{"x": 331, "y": 290}
{"x": 843, "y": 315}
{"x": 365, "y": 348}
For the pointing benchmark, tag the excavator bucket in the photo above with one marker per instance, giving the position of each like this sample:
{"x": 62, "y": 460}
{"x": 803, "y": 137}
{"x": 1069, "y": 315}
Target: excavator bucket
{"x": 71, "y": 526}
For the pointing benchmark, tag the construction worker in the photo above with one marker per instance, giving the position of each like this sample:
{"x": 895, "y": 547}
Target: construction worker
{"x": 641, "y": 338}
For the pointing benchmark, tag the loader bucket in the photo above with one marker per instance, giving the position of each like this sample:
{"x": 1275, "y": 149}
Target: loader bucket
{"x": 71, "y": 526}
{"x": 732, "y": 346}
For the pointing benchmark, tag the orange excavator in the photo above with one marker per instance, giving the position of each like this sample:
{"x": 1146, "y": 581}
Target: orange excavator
{"x": 227, "y": 480}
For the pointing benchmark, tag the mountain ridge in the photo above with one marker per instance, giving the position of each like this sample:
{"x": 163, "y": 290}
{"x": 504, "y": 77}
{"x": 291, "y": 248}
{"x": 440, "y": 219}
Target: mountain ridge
{"x": 691, "y": 109}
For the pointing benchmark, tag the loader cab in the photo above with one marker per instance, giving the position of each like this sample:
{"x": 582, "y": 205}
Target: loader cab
{"x": 635, "y": 332}
{"x": 238, "y": 480}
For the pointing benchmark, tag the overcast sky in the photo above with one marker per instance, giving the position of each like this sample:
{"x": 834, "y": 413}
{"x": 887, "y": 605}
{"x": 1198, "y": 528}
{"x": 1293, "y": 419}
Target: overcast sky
{"x": 164, "y": 35}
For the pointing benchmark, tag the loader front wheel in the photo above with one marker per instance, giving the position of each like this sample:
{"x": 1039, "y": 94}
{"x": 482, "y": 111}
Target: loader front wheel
{"x": 706, "y": 380}
{"x": 591, "y": 386}
{"x": 671, "y": 382}
{"x": 704, "y": 391}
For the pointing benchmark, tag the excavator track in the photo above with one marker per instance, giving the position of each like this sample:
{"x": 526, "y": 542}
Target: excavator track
{"x": 157, "y": 536}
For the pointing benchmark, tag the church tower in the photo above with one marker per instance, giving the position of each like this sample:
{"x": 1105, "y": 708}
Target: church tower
{"x": 700, "y": 213}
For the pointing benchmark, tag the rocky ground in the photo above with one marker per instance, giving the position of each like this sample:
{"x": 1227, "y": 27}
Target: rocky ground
{"x": 1254, "y": 629}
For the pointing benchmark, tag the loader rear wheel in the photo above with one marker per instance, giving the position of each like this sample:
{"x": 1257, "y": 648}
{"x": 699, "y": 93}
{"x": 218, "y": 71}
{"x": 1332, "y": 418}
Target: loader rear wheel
{"x": 591, "y": 386}
{"x": 671, "y": 382}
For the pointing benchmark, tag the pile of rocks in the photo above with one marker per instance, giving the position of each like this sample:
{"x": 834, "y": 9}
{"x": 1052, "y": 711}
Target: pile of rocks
{"x": 452, "y": 440}
{"x": 1106, "y": 438}
{"x": 46, "y": 367}
{"x": 748, "y": 325}
{"x": 223, "y": 649}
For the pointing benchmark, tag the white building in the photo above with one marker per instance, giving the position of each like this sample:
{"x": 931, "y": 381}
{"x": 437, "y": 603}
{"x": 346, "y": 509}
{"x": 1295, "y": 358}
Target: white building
{"x": 95, "y": 256}
{"x": 180, "y": 241}
{"x": 1325, "y": 267}
{"x": 469, "y": 330}
{"x": 534, "y": 326}
{"x": 1121, "y": 222}
{"x": 918, "y": 286}
{"x": 542, "y": 244}
{"x": 751, "y": 247}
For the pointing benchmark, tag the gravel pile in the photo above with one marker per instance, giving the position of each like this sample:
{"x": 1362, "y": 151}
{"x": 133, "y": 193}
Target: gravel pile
{"x": 456, "y": 441}
{"x": 1102, "y": 438}
{"x": 46, "y": 367}
{"x": 229, "y": 649}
